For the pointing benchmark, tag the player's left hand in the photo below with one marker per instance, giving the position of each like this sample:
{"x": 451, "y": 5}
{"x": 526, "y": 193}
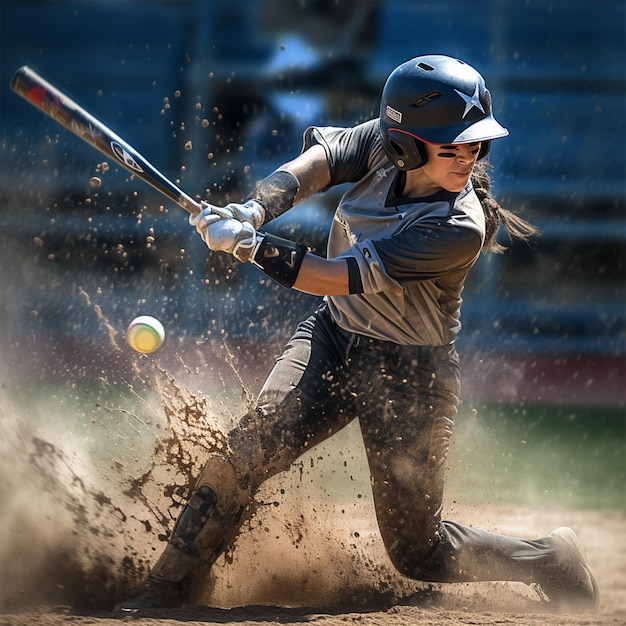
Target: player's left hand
{"x": 251, "y": 211}
{"x": 225, "y": 234}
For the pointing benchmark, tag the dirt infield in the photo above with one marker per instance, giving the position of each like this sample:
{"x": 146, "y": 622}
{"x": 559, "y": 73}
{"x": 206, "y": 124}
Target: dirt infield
{"x": 262, "y": 585}
{"x": 88, "y": 492}
{"x": 334, "y": 575}
{"x": 274, "y": 616}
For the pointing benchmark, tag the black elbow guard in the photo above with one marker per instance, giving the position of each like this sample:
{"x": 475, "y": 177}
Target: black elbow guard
{"x": 279, "y": 258}
{"x": 277, "y": 193}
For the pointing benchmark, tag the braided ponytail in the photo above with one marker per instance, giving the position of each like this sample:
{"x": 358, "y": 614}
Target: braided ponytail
{"x": 495, "y": 215}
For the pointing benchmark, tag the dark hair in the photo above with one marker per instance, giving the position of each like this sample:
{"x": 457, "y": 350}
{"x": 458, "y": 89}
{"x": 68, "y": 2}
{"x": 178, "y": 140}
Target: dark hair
{"x": 495, "y": 215}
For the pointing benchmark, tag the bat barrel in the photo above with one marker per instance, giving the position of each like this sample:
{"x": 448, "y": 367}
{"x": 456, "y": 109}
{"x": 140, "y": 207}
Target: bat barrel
{"x": 60, "y": 107}
{"x": 27, "y": 83}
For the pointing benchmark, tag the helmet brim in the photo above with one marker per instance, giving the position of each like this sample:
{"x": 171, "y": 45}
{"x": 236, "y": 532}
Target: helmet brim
{"x": 483, "y": 130}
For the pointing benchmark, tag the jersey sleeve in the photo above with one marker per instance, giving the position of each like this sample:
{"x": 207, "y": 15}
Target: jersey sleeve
{"x": 423, "y": 252}
{"x": 348, "y": 150}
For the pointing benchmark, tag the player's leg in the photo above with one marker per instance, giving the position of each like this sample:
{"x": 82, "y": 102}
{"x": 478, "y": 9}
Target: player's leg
{"x": 556, "y": 564}
{"x": 407, "y": 445}
{"x": 303, "y": 402}
{"x": 299, "y": 406}
{"x": 407, "y": 414}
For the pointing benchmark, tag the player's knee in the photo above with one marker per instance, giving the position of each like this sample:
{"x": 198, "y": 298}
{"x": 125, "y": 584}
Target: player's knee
{"x": 412, "y": 551}
{"x": 422, "y": 565}
{"x": 263, "y": 443}
{"x": 408, "y": 561}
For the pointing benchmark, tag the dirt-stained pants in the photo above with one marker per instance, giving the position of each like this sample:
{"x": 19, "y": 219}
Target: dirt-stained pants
{"x": 405, "y": 398}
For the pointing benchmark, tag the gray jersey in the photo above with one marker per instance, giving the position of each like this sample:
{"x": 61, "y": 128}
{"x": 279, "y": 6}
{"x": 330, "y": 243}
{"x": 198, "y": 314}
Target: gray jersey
{"x": 413, "y": 254}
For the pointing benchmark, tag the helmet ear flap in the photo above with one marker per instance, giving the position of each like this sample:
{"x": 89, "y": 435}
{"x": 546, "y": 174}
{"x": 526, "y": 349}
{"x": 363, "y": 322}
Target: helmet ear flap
{"x": 406, "y": 151}
{"x": 397, "y": 148}
{"x": 421, "y": 152}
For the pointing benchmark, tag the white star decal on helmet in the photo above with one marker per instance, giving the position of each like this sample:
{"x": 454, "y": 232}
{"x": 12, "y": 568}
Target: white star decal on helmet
{"x": 470, "y": 101}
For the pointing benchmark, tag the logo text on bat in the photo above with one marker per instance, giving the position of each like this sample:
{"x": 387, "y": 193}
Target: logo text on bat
{"x": 123, "y": 156}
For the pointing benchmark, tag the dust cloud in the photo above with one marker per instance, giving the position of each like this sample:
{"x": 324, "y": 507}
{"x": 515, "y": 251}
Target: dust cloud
{"x": 93, "y": 475}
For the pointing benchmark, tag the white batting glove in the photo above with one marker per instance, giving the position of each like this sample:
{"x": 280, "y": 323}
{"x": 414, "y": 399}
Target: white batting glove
{"x": 225, "y": 234}
{"x": 251, "y": 211}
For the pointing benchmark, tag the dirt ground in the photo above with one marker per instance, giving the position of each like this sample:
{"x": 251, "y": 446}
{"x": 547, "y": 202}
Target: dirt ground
{"x": 262, "y": 616}
{"x": 305, "y": 585}
{"x": 83, "y": 518}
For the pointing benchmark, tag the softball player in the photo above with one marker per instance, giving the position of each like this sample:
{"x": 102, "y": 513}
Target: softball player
{"x": 381, "y": 347}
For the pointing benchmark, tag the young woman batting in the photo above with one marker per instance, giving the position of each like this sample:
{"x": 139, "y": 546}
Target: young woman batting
{"x": 381, "y": 348}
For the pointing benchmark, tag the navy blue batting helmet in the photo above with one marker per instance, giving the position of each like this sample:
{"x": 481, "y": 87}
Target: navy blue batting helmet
{"x": 435, "y": 99}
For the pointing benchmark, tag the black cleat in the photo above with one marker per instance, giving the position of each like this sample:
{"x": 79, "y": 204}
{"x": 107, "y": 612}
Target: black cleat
{"x": 155, "y": 593}
{"x": 569, "y": 584}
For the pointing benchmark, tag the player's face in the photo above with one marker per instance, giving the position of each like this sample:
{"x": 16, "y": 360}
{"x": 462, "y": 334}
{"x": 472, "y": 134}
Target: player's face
{"x": 450, "y": 166}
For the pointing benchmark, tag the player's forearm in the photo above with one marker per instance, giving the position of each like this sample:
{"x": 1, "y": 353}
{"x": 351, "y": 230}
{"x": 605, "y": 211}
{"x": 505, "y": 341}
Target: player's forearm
{"x": 312, "y": 171}
{"x": 291, "y": 183}
{"x": 323, "y": 277}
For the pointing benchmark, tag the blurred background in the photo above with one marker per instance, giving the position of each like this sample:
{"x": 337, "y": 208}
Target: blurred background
{"x": 217, "y": 94}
